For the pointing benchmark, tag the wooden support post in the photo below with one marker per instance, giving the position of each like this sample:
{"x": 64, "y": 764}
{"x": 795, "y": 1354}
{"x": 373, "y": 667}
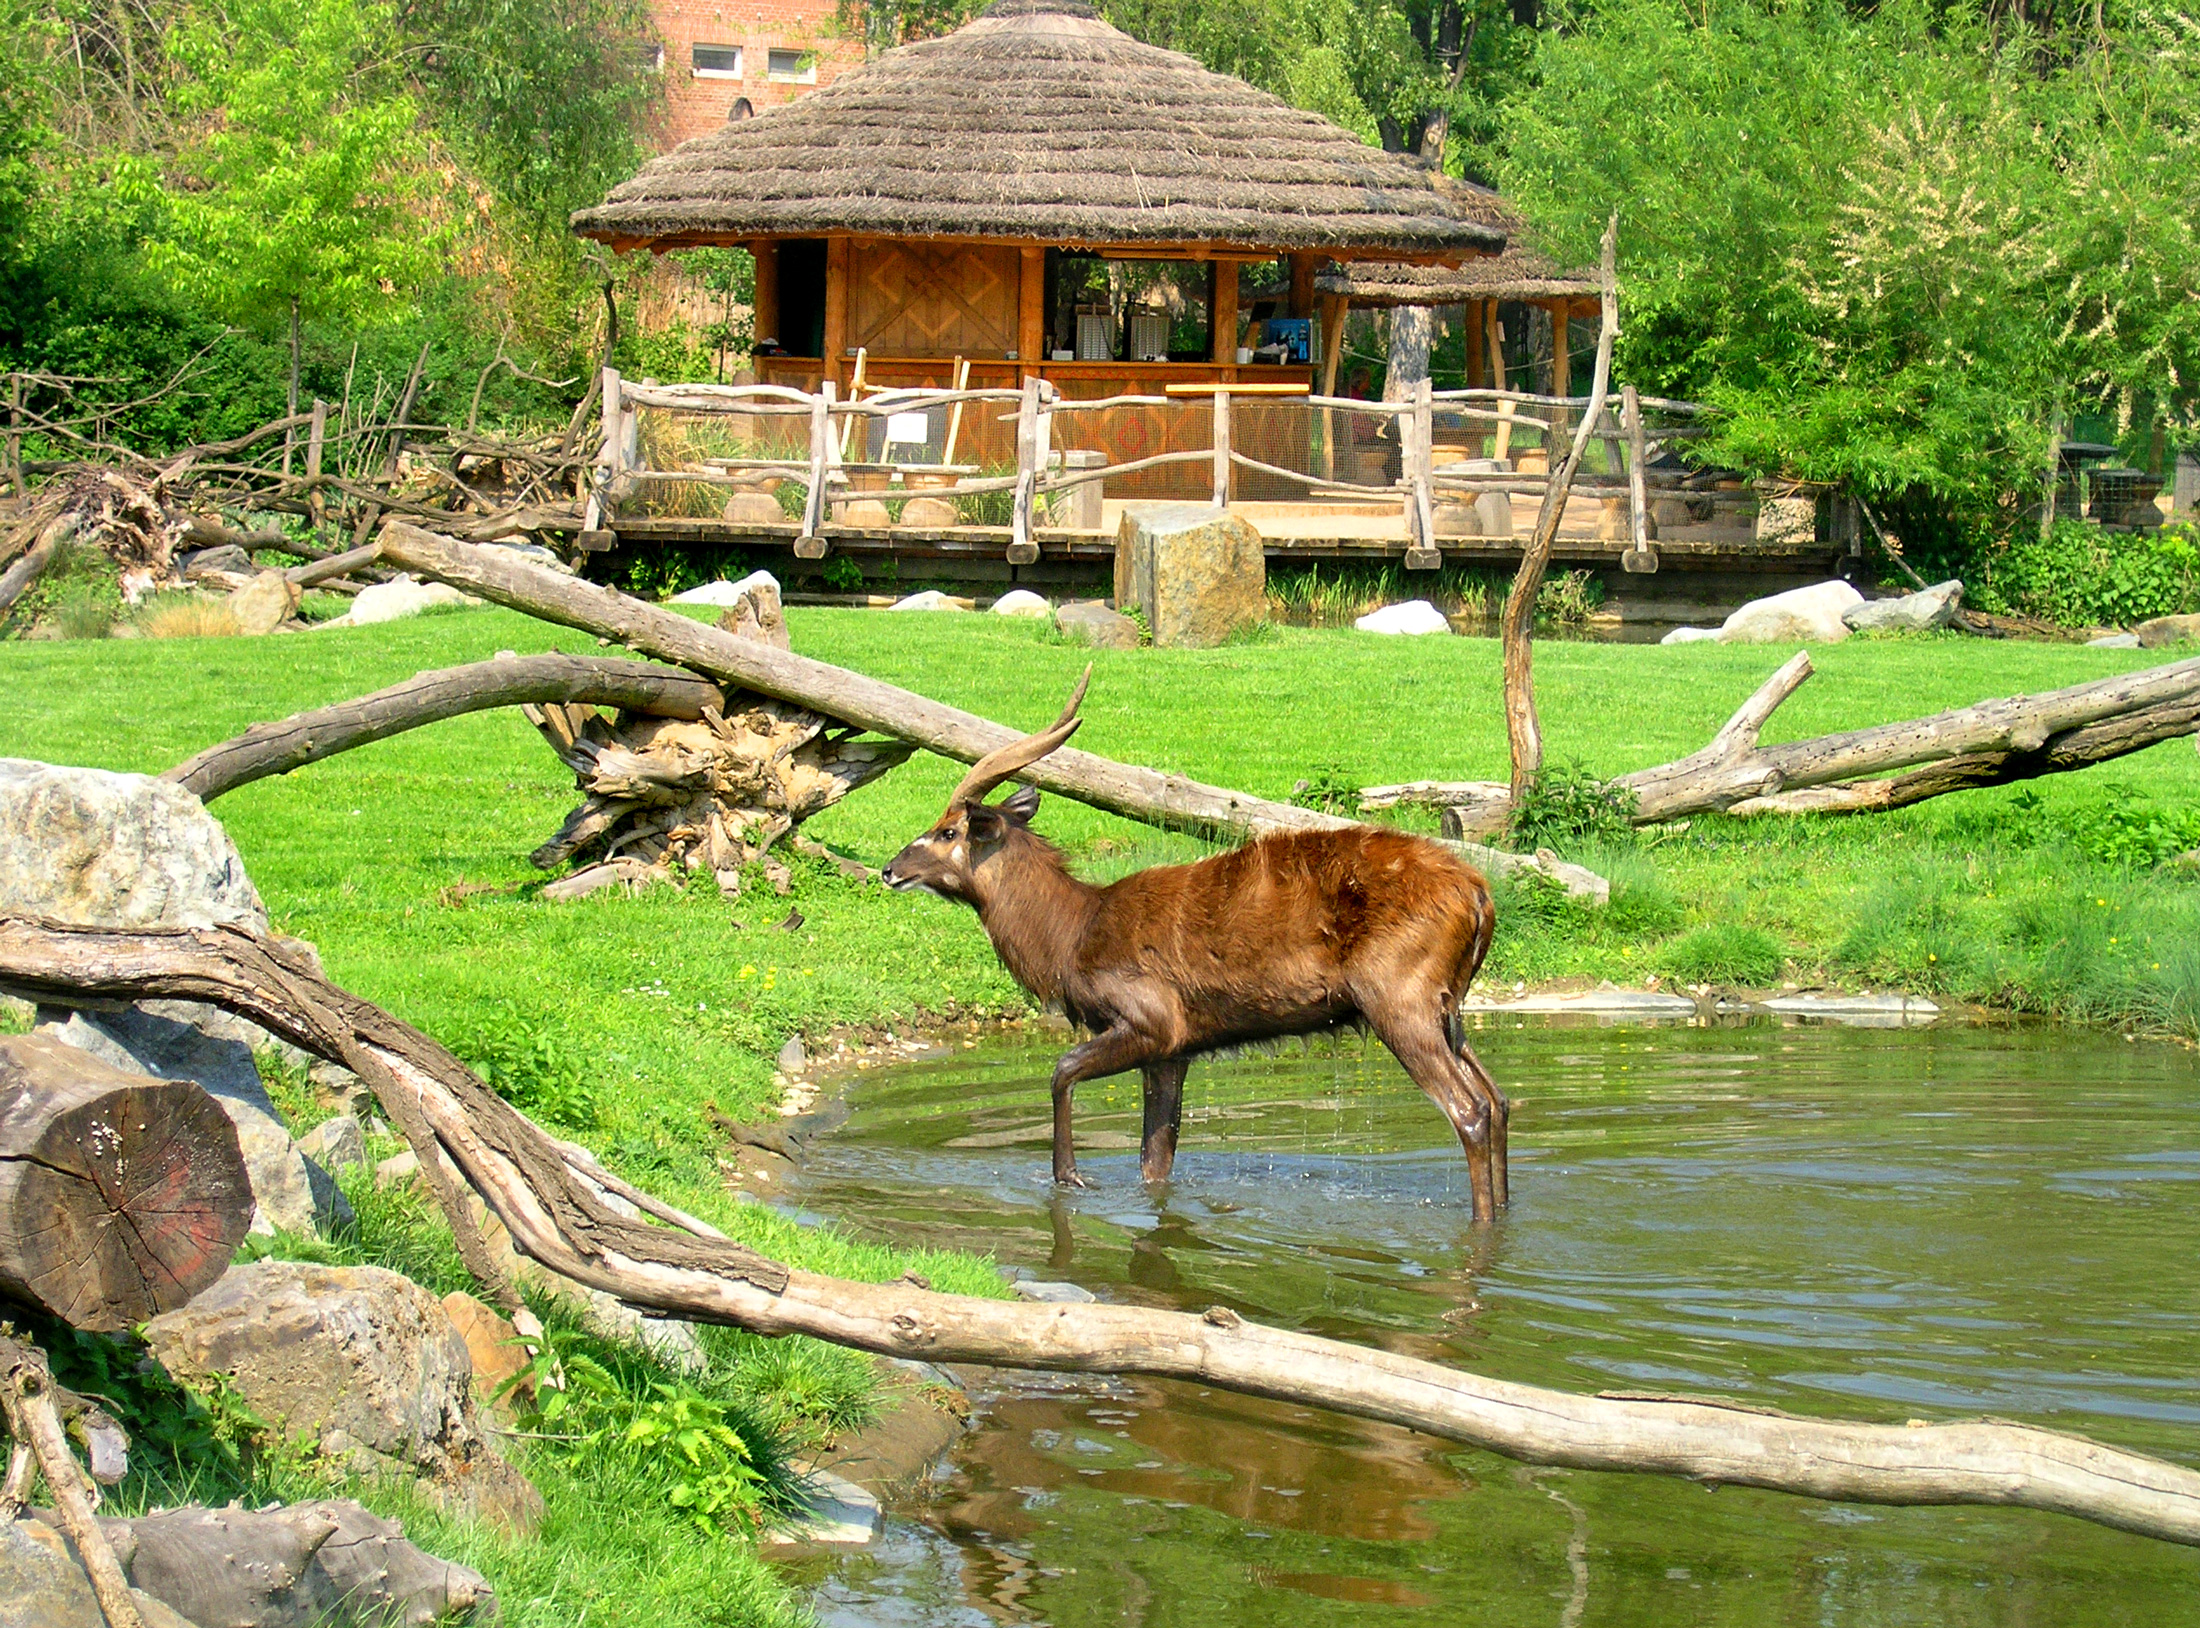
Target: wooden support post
{"x": 853, "y": 422}
{"x": 1334, "y": 307}
{"x": 607, "y": 455}
{"x": 1031, "y": 313}
{"x": 316, "y": 441}
{"x": 1222, "y": 315}
{"x": 836, "y": 308}
{"x": 766, "y": 324}
{"x": 1222, "y": 449}
{"x": 1471, "y": 319}
{"x": 1640, "y": 557}
{"x": 1021, "y": 549}
{"x": 1302, "y": 283}
{"x": 811, "y": 545}
{"x": 1417, "y": 436}
{"x": 955, "y": 413}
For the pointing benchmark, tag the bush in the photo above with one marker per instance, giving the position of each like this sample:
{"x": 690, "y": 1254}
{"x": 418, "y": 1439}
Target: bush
{"x": 2082, "y": 576}
{"x": 1726, "y": 954}
{"x": 1567, "y": 803}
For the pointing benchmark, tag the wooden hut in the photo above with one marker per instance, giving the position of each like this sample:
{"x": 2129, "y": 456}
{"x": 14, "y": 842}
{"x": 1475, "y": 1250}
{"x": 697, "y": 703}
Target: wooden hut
{"x": 1522, "y": 274}
{"x": 1039, "y": 195}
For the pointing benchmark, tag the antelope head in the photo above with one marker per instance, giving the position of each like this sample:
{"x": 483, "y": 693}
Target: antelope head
{"x": 946, "y": 860}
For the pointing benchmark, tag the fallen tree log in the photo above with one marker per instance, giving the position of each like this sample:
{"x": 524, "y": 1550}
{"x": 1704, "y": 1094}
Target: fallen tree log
{"x": 1148, "y": 795}
{"x": 27, "y": 1398}
{"x": 556, "y": 1212}
{"x": 121, "y": 1196}
{"x": 507, "y": 681}
{"x": 16, "y": 581}
{"x": 1991, "y": 743}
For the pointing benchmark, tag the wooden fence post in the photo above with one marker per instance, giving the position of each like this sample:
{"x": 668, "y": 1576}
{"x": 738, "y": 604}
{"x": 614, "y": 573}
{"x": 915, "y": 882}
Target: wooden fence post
{"x": 607, "y": 455}
{"x": 1640, "y": 557}
{"x": 316, "y": 503}
{"x": 811, "y": 545}
{"x": 1021, "y": 549}
{"x": 1222, "y": 445}
{"x": 1417, "y": 442}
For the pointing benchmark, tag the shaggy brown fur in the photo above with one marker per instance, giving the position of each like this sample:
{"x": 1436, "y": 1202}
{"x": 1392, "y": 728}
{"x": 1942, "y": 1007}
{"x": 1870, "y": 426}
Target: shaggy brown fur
{"x": 1288, "y": 935}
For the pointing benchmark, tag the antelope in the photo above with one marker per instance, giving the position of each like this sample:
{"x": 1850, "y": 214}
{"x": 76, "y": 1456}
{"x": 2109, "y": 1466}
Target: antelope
{"x": 1291, "y": 934}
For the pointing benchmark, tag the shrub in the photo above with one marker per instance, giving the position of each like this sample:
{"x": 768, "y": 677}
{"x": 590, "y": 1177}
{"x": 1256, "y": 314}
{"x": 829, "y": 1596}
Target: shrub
{"x": 536, "y": 1070}
{"x": 2082, "y": 576}
{"x": 1726, "y": 953}
{"x": 1567, "y": 803}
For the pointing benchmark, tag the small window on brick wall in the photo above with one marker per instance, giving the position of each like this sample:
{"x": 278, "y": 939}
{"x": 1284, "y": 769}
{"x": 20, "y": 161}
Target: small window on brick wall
{"x": 792, "y": 66}
{"x": 717, "y": 62}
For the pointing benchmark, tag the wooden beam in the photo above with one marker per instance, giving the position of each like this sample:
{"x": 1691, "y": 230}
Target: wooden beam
{"x": 766, "y": 255}
{"x": 836, "y": 309}
{"x": 1334, "y": 308}
{"x": 1222, "y": 314}
{"x": 1031, "y": 313}
{"x": 1302, "y": 283}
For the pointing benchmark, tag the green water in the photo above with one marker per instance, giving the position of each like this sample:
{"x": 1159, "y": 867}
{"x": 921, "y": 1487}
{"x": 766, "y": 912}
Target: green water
{"x": 1879, "y": 1225}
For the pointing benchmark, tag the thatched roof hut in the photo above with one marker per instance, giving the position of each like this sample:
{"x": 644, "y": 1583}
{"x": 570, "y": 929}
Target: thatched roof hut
{"x": 1040, "y": 123}
{"x": 1520, "y": 272}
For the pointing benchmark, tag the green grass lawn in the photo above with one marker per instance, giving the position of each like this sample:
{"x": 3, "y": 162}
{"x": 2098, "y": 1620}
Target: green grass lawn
{"x": 671, "y": 1005}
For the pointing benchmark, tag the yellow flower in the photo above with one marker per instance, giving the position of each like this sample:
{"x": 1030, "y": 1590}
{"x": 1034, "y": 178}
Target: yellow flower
{"x": 747, "y": 972}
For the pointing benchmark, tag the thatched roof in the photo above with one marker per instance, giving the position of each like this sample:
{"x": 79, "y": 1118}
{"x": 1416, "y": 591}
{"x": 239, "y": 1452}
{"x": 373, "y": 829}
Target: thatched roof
{"x": 1522, "y": 272}
{"x": 1040, "y": 123}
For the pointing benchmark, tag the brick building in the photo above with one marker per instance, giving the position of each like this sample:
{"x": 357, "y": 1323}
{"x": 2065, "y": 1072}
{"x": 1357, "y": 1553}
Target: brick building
{"x": 718, "y": 53}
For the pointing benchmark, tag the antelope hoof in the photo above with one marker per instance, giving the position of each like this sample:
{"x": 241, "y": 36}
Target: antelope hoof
{"x": 1070, "y": 1178}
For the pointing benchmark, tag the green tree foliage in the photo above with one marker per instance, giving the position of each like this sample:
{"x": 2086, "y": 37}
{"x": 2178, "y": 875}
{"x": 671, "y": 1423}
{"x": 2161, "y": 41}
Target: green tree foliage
{"x": 1899, "y": 244}
{"x": 545, "y": 101}
{"x": 302, "y": 186}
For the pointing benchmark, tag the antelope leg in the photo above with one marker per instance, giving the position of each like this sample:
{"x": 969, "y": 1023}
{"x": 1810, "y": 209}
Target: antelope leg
{"x": 1420, "y": 1045}
{"x": 1113, "y": 1050}
{"x": 1500, "y": 1122}
{"x": 1164, "y": 1117}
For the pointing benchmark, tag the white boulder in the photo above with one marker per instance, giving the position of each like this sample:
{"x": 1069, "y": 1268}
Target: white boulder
{"x": 396, "y": 599}
{"x": 1022, "y": 602}
{"x": 1801, "y": 615}
{"x": 723, "y": 592}
{"x": 1414, "y": 616}
{"x": 930, "y": 600}
{"x": 1692, "y": 635}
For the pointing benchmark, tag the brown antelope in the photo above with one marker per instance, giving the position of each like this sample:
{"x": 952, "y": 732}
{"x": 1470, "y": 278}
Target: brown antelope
{"x": 1288, "y": 935}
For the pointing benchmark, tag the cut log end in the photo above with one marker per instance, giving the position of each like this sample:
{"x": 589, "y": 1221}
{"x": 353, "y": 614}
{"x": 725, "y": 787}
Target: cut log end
{"x": 121, "y": 1196}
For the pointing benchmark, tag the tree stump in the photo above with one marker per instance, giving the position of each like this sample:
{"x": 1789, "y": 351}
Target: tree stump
{"x": 121, "y": 1196}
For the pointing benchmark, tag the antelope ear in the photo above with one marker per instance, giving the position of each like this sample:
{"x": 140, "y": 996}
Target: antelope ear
{"x": 986, "y": 823}
{"x": 1020, "y": 804}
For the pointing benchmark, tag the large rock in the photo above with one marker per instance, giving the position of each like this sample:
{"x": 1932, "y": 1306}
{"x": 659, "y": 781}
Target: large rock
{"x": 265, "y": 603}
{"x": 1912, "y": 613}
{"x": 2163, "y": 630}
{"x": 723, "y": 591}
{"x": 1022, "y": 602}
{"x": 396, "y": 599}
{"x": 1800, "y": 616}
{"x": 327, "y": 1563}
{"x": 1091, "y": 622}
{"x": 98, "y": 849}
{"x": 491, "y": 1341}
{"x": 42, "y": 1586}
{"x": 1691, "y": 635}
{"x": 1414, "y": 616}
{"x": 1198, "y": 572}
{"x": 360, "y": 1365}
{"x": 929, "y": 600}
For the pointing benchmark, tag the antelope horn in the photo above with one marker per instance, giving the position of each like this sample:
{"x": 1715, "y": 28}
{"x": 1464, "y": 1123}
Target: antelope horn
{"x": 999, "y": 765}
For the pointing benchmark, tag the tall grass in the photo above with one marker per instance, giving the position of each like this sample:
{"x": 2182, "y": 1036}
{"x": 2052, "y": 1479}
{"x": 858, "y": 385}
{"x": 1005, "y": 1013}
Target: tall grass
{"x": 1320, "y": 594}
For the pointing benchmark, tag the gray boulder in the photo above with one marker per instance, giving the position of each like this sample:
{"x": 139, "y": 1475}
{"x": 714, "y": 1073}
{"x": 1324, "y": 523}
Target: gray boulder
{"x": 99, "y": 849}
{"x": 2114, "y": 641}
{"x": 42, "y": 1586}
{"x": 1091, "y": 622}
{"x": 1911, "y": 613}
{"x": 361, "y": 1365}
{"x": 1199, "y": 573}
{"x": 2161, "y": 630}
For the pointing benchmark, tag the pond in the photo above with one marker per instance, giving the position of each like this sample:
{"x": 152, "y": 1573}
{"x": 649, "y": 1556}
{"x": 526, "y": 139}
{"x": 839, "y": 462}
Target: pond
{"x": 1873, "y": 1224}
